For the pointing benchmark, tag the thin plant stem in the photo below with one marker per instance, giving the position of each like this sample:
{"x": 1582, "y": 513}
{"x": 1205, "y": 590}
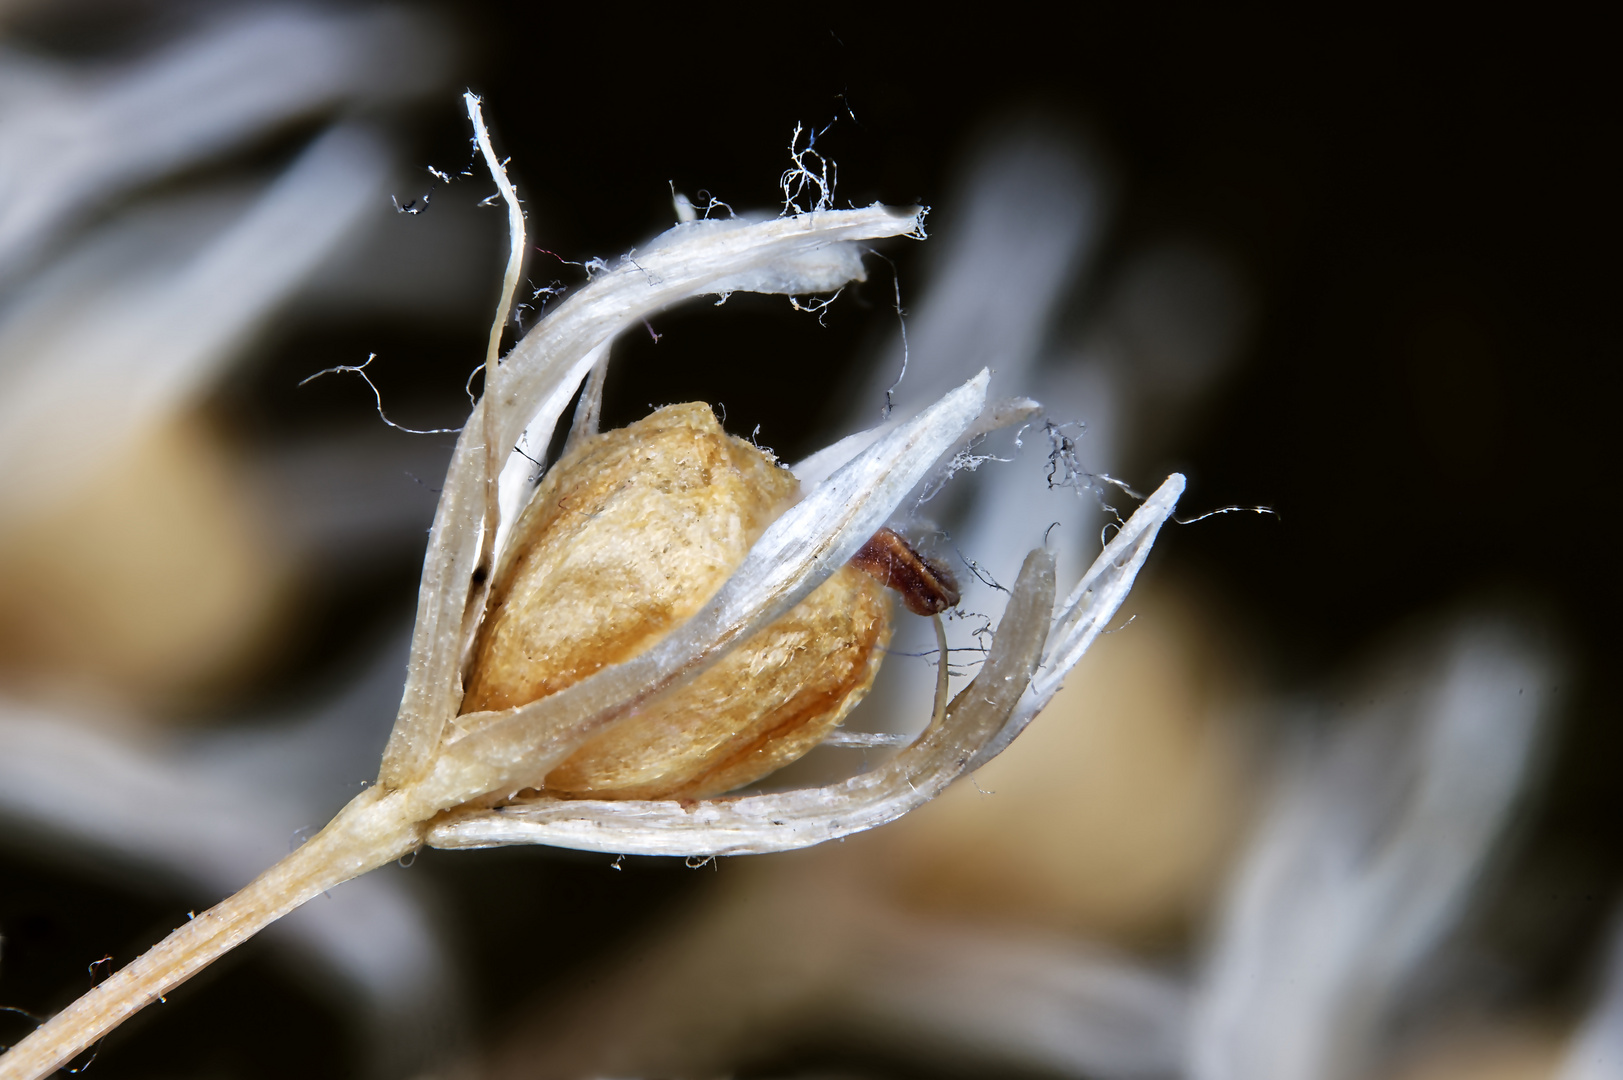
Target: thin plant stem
{"x": 372, "y": 830}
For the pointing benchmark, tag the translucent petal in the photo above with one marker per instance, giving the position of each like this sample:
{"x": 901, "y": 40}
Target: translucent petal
{"x": 1091, "y": 606}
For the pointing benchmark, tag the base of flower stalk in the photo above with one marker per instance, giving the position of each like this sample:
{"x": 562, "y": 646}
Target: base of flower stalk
{"x": 375, "y": 828}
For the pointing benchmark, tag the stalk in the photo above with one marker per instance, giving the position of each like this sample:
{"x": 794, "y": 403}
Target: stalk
{"x": 372, "y": 830}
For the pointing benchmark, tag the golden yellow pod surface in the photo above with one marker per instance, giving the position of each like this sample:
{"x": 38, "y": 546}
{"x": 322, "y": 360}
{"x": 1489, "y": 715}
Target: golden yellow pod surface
{"x": 629, "y": 535}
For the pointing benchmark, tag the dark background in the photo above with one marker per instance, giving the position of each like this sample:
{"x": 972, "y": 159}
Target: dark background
{"x": 1424, "y": 210}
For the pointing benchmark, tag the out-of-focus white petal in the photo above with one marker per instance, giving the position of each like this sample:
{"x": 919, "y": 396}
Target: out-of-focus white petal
{"x": 787, "y": 955}
{"x": 1046, "y": 1003}
{"x": 71, "y": 138}
{"x": 1597, "y": 1051}
{"x": 79, "y": 375}
{"x": 1026, "y": 220}
{"x": 1024, "y": 224}
{"x": 1365, "y": 859}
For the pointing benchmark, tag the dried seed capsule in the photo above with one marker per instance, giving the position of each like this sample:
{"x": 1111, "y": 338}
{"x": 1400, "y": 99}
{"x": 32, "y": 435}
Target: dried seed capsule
{"x": 627, "y": 537}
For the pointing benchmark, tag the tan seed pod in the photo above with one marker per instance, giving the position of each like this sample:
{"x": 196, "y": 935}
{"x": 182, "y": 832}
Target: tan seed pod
{"x": 627, "y": 537}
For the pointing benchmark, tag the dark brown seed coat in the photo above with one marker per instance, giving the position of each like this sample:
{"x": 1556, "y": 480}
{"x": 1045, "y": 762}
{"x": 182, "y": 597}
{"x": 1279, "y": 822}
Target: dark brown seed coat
{"x": 927, "y": 587}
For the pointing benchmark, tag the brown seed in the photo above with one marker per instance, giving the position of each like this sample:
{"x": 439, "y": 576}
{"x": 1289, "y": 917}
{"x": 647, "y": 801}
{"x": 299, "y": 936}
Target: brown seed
{"x": 927, "y": 587}
{"x": 762, "y": 706}
{"x": 626, "y": 538}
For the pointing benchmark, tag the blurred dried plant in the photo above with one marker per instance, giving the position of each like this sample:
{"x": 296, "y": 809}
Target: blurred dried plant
{"x": 122, "y": 312}
{"x": 144, "y": 567}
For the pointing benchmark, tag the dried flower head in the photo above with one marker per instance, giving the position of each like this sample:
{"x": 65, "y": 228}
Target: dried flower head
{"x": 662, "y": 618}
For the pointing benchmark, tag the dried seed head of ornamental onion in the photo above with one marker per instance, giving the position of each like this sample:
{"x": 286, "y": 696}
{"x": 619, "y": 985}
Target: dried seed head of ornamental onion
{"x": 632, "y": 698}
